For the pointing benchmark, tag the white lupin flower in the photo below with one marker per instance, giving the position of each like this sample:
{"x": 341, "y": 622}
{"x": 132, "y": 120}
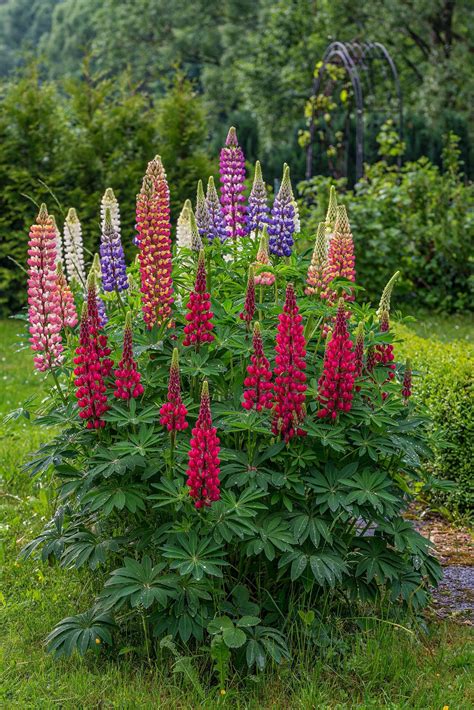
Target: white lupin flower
{"x": 110, "y": 202}
{"x": 184, "y": 233}
{"x": 59, "y": 242}
{"x": 73, "y": 248}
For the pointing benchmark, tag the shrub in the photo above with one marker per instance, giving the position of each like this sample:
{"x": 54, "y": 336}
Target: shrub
{"x": 445, "y": 386}
{"x": 283, "y": 496}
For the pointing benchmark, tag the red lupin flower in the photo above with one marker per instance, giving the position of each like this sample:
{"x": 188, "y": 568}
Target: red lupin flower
{"x": 127, "y": 377}
{"x": 289, "y": 376}
{"x": 92, "y": 363}
{"x": 199, "y": 326}
{"x": 249, "y": 305}
{"x": 258, "y": 392}
{"x": 407, "y": 382}
{"x": 154, "y": 243}
{"x": 336, "y": 384}
{"x": 359, "y": 350}
{"x": 340, "y": 260}
{"x": 67, "y": 307}
{"x": 204, "y": 465}
{"x": 173, "y": 412}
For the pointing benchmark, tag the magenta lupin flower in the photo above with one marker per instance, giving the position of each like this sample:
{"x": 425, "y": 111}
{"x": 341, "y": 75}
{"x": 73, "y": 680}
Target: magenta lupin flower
{"x": 199, "y": 325}
{"x": 258, "y": 392}
{"x": 173, "y": 412}
{"x": 232, "y": 173}
{"x": 359, "y": 350}
{"x": 204, "y": 465}
{"x": 249, "y": 305}
{"x": 127, "y": 377}
{"x": 44, "y": 301}
{"x": 407, "y": 382}
{"x": 289, "y": 376}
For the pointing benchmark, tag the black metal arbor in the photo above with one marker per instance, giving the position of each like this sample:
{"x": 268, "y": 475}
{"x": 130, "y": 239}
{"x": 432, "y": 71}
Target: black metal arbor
{"x": 358, "y": 59}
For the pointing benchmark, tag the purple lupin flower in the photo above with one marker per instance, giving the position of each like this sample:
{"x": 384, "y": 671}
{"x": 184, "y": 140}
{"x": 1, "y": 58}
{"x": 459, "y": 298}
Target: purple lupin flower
{"x": 112, "y": 258}
{"x": 203, "y": 219}
{"x": 258, "y": 211}
{"x": 102, "y": 313}
{"x": 232, "y": 172}
{"x": 282, "y": 222}
{"x": 217, "y": 226}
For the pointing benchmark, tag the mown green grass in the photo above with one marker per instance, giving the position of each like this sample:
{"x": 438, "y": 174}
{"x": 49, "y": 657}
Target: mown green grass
{"x": 387, "y": 666}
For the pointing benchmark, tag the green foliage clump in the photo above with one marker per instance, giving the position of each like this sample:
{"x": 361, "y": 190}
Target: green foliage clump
{"x": 445, "y": 385}
{"x": 415, "y": 218}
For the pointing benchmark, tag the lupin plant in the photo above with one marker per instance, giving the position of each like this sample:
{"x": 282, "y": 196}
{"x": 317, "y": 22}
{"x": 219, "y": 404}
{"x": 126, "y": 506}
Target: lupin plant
{"x": 59, "y": 241}
{"x": 96, "y": 269}
{"x": 67, "y": 307}
{"x": 258, "y": 210}
{"x": 263, "y": 277}
{"x": 74, "y": 248}
{"x": 183, "y": 227}
{"x": 203, "y": 219}
{"x": 341, "y": 260}
{"x": 407, "y": 382}
{"x": 249, "y": 305}
{"x": 217, "y": 223}
{"x": 317, "y": 268}
{"x": 281, "y": 228}
{"x": 112, "y": 257}
{"x": 190, "y": 546}
{"x": 196, "y": 241}
{"x": 331, "y": 213}
{"x": 383, "y": 353}
{"x": 110, "y": 202}
{"x": 232, "y": 173}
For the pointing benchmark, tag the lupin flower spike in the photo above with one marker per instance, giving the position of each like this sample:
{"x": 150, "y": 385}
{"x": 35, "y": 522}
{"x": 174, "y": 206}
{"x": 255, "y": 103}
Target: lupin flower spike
{"x": 59, "y": 241}
{"x": 173, "y": 412}
{"x": 199, "y": 319}
{"x": 289, "y": 376}
{"x": 258, "y": 392}
{"x": 44, "y": 301}
{"x": 196, "y": 241}
{"x": 282, "y": 222}
{"x": 316, "y": 270}
{"x": 232, "y": 172}
{"x": 154, "y": 243}
{"x": 359, "y": 349}
{"x": 112, "y": 258}
{"x": 407, "y": 382}
{"x": 96, "y": 269}
{"x": 296, "y": 218}
{"x": 249, "y": 305}
{"x": 127, "y": 377}
{"x": 262, "y": 277}
{"x": 336, "y": 384}
{"x": 331, "y": 211}
{"x": 341, "y": 259}
{"x": 258, "y": 211}
{"x": 73, "y": 248}
{"x": 383, "y": 311}
{"x": 67, "y": 307}
{"x": 204, "y": 464}
{"x": 110, "y": 202}
{"x": 203, "y": 219}
{"x": 217, "y": 224}
{"x": 183, "y": 226}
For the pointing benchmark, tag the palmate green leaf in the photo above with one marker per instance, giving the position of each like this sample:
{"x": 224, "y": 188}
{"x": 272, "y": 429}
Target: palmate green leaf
{"x": 139, "y": 584}
{"x": 123, "y": 416}
{"x": 231, "y": 516}
{"x": 314, "y": 527}
{"x": 265, "y": 642}
{"x": 273, "y": 533}
{"x": 377, "y": 561}
{"x": 170, "y": 493}
{"x": 326, "y": 567}
{"x": 372, "y": 487}
{"x": 194, "y": 556}
{"x": 80, "y": 633}
{"x": 107, "y": 462}
{"x": 146, "y": 442}
{"x": 52, "y": 539}
{"x": 114, "y": 496}
{"x": 84, "y": 548}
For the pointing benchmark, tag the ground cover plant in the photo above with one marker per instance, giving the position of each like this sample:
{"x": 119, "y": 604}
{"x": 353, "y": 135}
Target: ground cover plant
{"x": 237, "y": 443}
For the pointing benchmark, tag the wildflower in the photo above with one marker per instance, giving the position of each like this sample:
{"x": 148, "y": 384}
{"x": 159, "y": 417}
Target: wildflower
{"x": 92, "y": 362}
{"x": 199, "y": 319}
{"x": 173, "y": 412}
{"x": 112, "y": 258}
{"x": 296, "y": 218}
{"x": 196, "y": 241}
{"x": 281, "y": 227}
{"x": 407, "y": 382}
{"x": 44, "y": 299}
{"x": 96, "y": 269}
{"x": 67, "y": 307}
{"x": 232, "y": 171}
{"x": 359, "y": 350}
{"x": 383, "y": 353}
{"x": 204, "y": 465}
{"x": 331, "y": 213}
{"x": 258, "y": 393}
{"x": 217, "y": 223}
{"x": 127, "y": 377}
{"x": 203, "y": 219}
{"x": 59, "y": 241}
{"x": 183, "y": 226}
{"x": 73, "y": 248}
{"x": 289, "y": 375}
{"x": 154, "y": 243}
{"x": 341, "y": 260}
{"x": 109, "y": 202}
{"x": 316, "y": 270}
{"x": 258, "y": 211}
{"x": 249, "y": 305}
{"x": 262, "y": 277}
{"x": 336, "y": 384}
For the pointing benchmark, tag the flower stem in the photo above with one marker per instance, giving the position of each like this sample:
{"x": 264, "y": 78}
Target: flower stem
{"x": 58, "y": 386}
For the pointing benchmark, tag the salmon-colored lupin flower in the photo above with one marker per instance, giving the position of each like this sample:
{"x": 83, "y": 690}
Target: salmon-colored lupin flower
{"x": 341, "y": 259}
{"x": 67, "y": 307}
{"x": 173, "y": 412}
{"x": 127, "y": 376}
{"x": 336, "y": 384}
{"x": 204, "y": 464}
{"x": 44, "y": 301}
{"x": 258, "y": 392}
{"x": 262, "y": 277}
{"x": 317, "y": 267}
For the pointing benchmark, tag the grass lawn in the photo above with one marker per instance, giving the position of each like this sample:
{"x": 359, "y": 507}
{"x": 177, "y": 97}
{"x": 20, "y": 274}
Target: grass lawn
{"x": 387, "y": 666}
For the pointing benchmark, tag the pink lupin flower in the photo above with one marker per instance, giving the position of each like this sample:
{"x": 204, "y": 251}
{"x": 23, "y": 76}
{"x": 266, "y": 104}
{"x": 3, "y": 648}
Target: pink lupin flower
{"x": 67, "y": 307}
{"x": 44, "y": 302}
{"x": 232, "y": 173}
{"x": 173, "y": 412}
{"x": 289, "y": 376}
{"x": 204, "y": 464}
{"x": 258, "y": 392}
{"x": 127, "y": 376}
{"x": 199, "y": 319}
{"x": 336, "y": 384}
{"x": 154, "y": 243}
{"x": 249, "y": 305}
{"x": 317, "y": 267}
{"x": 341, "y": 260}
{"x": 263, "y": 277}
